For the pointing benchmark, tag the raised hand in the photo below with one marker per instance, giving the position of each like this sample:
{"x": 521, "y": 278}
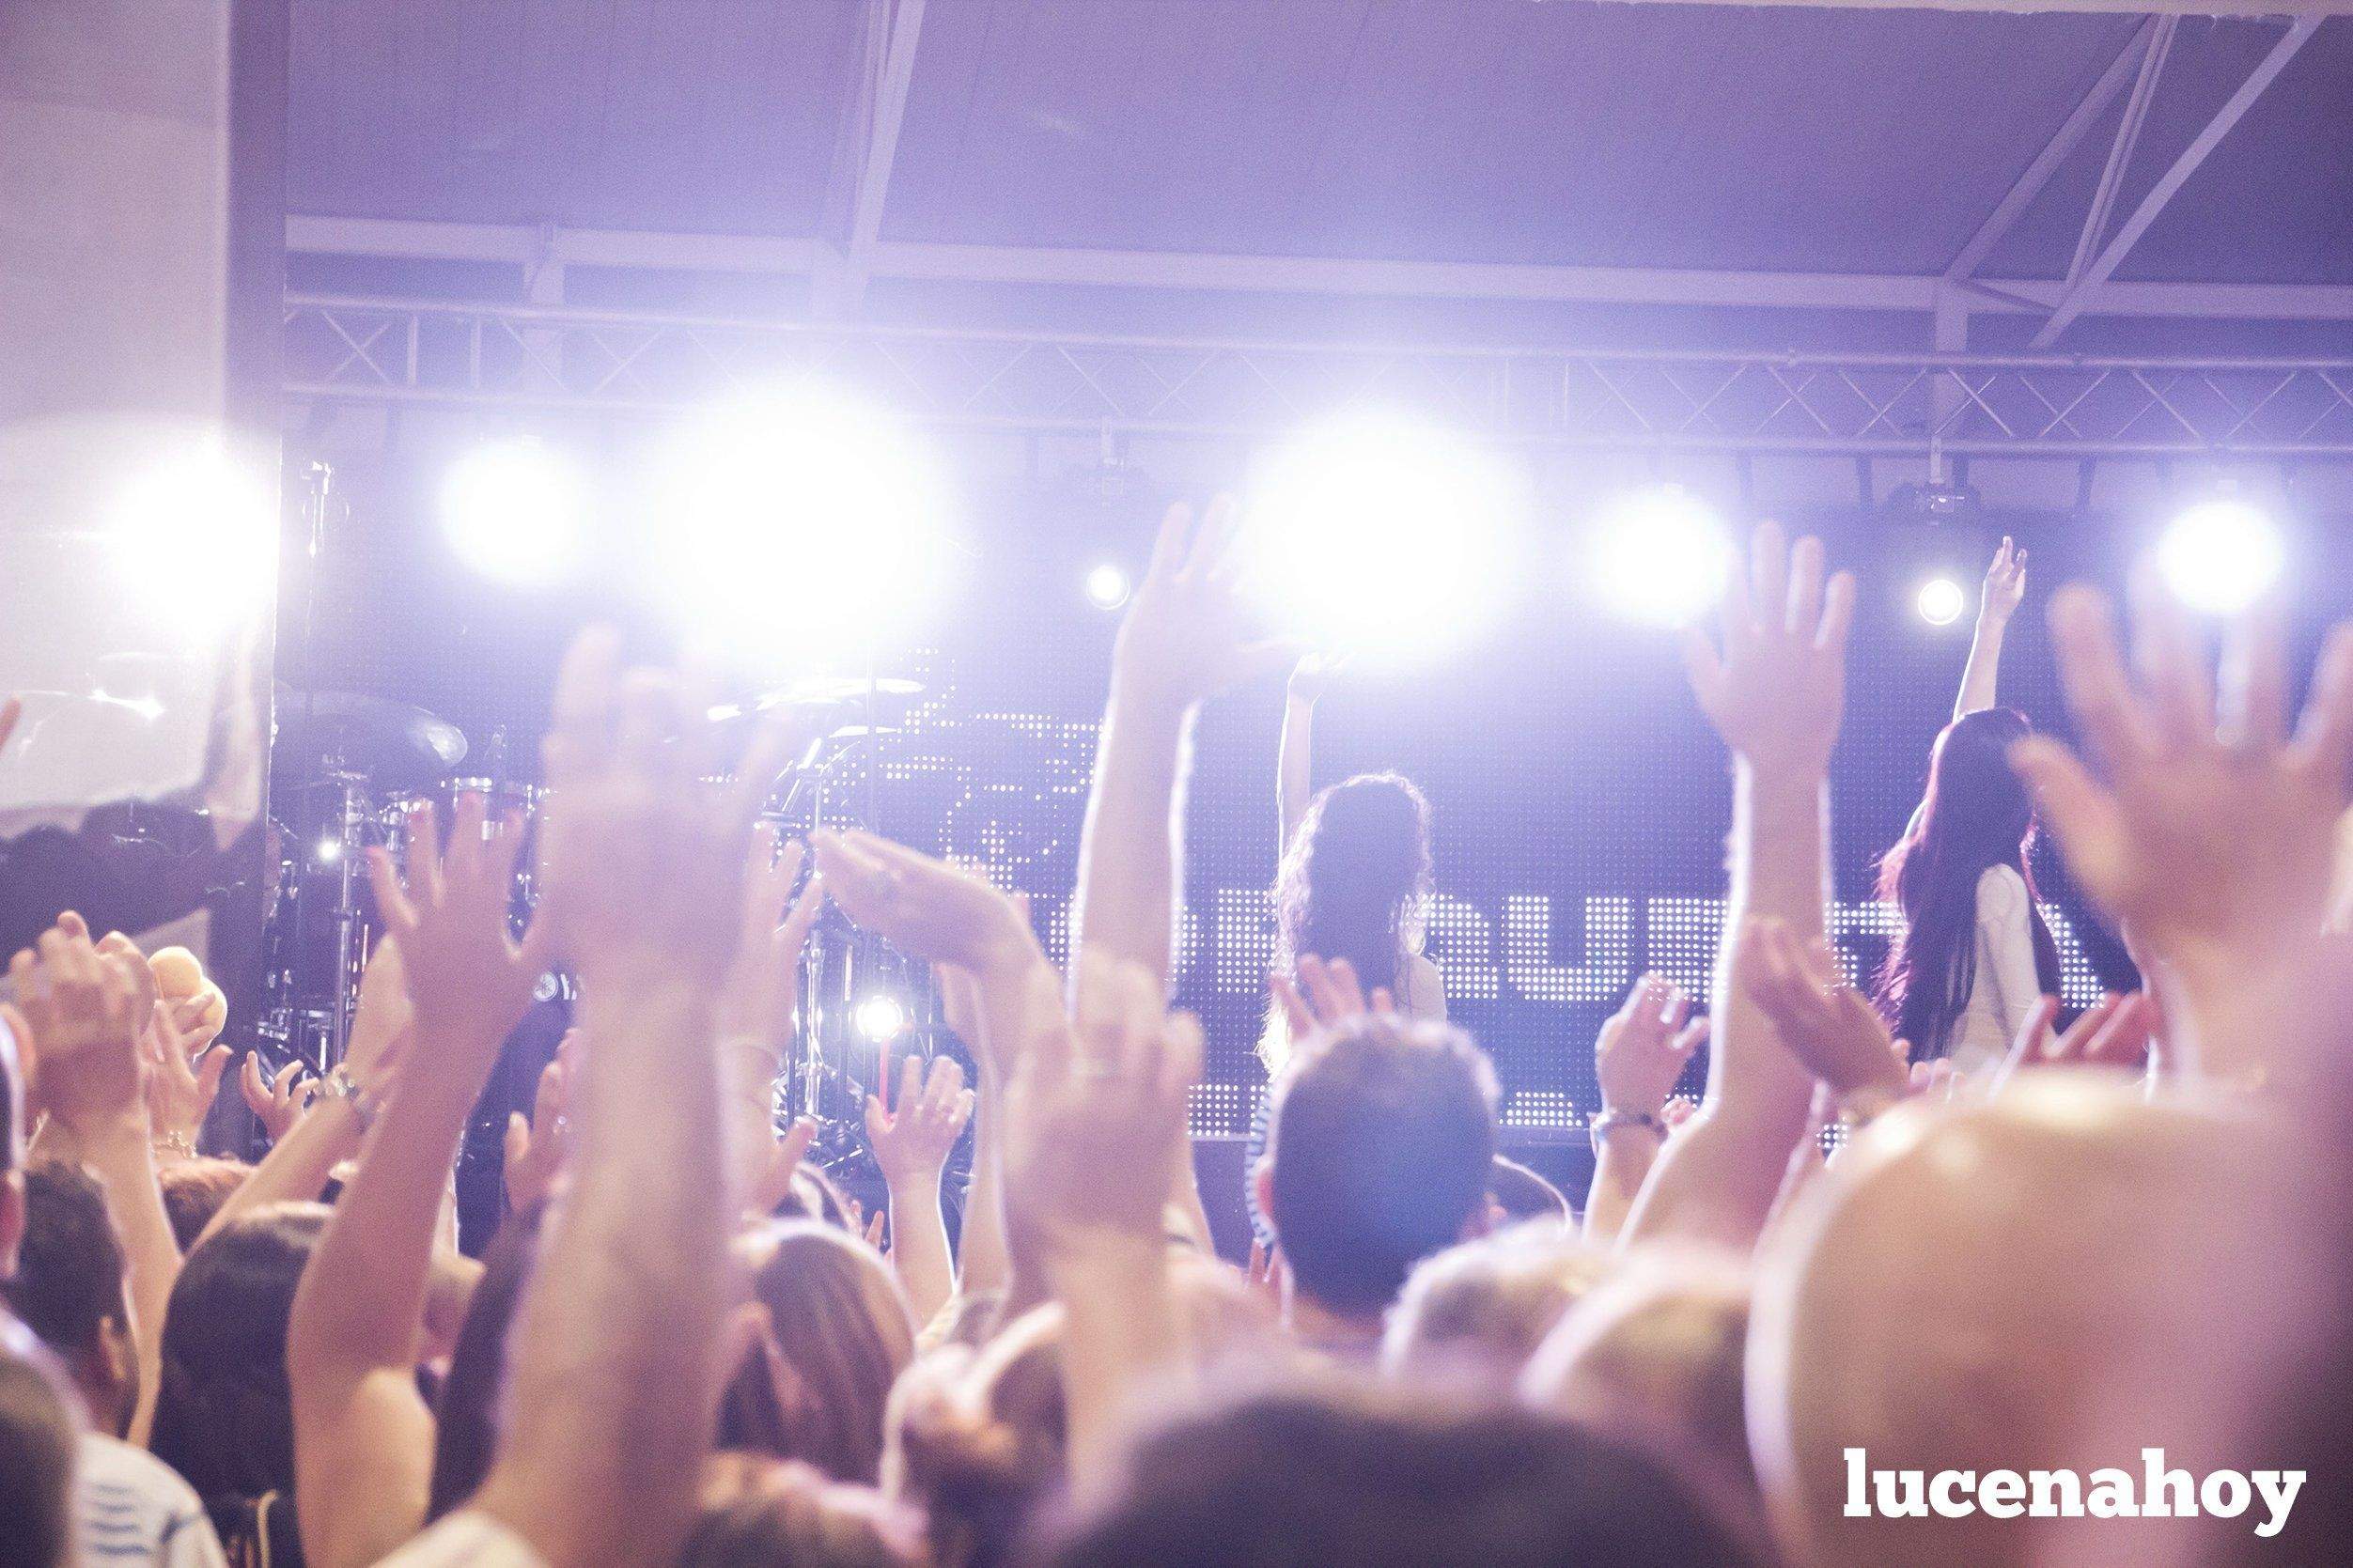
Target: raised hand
{"x": 1829, "y": 1027}
{"x": 184, "y": 1078}
{"x": 534, "y": 1150}
{"x": 1096, "y": 1111}
{"x": 467, "y": 979}
{"x": 773, "y": 1182}
{"x": 2211, "y": 840}
{"x": 1327, "y": 994}
{"x": 277, "y": 1102}
{"x": 1311, "y": 677}
{"x": 1776, "y": 690}
{"x": 1189, "y": 635}
{"x": 2112, "y": 1032}
{"x": 86, "y": 1010}
{"x": 912, "y": 1138}
{"x": 2006, "y": 582}
{"x": 934, "y": 910}
{"x": 763, "y": 984}
{"x": 1643, "y": 1048}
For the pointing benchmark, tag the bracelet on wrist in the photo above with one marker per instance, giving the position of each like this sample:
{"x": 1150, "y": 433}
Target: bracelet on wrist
{"x": 1612, "y": 1119}
{"x": 175, "y": 1143}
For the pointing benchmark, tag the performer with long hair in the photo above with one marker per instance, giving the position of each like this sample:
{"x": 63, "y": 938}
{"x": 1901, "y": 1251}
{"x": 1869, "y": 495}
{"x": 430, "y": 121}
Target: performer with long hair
{"x": 1975, "y": 954}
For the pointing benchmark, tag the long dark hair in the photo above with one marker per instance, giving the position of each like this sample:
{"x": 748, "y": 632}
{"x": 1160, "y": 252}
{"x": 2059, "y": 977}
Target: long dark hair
{"x": 1976, "y": 814}
{"x": 225, "y": 1413}
{"x": 1356, "y": 877}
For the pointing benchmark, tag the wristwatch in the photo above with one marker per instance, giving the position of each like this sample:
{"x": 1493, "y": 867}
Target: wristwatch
{"x": 340, "y": 1085}
{"x": 1609, "y": 1120}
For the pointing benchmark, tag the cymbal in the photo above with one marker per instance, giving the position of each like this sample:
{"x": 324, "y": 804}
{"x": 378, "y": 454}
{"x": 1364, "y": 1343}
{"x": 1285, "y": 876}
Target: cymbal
{"x": 395, "y": 745}
{"x": 818, "y": 692}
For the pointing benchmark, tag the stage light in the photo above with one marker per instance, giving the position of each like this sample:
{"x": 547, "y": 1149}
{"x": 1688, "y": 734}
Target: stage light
{"x": 1107, "y": 586}
{"x": 1940, "y": 601}
{"x": 2220, "y": 556}
{"x": 327, "y": 851}
{"x": 512, "y": 510}
{"x": 881, "y": 1018}
{"x": 197, "y": 533}
{"x": 803, "y": 519}
{"x": 1382, "y": 536}
{"x": 1660, "y": 555}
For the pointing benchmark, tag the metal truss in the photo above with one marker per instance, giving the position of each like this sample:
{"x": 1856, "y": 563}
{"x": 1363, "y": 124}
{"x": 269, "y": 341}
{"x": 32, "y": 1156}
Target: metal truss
{"x": 393, "y": 351}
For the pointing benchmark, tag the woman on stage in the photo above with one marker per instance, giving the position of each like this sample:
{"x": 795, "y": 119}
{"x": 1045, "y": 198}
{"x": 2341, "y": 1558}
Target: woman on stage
{"x": 1354, "y": 880}
{"x": 1975, "y": 955}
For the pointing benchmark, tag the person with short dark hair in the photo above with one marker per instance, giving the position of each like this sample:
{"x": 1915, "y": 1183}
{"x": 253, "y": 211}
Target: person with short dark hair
{"x": 1384, "y": 1139}
{"x": 193, "y": 1192}
{"x": 69, "y": 1289}
{"x": 37, "y": 1449}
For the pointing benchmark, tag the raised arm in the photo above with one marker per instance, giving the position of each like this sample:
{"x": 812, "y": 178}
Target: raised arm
{"x": 911, "y": 1139}
{"x": 1295, "y": 763}
{"x": 1636, "y": 1059}
{"x": 1775, "y": 694}
{"x": 362, "y": 1437}
{"x": 89, "y": 1013}
{"x": 1184, "y": 642}
{"x": 2005, "y": 586}
{"x": 619, "y": 1348}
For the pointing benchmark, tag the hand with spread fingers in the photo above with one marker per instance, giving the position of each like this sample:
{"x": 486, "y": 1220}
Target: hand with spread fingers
{"x": 1327, "y": 994}
{"x": 2112, "y": 1032}
{"x": 1775, "y": 690}
{"x": 89, "y": 1013}
{"x": 279, "y": 1100}
{"x": 2212, "y": 836}
{"x": 1828, "y": 1025}
{"x": 183, "y": 1080}
{"x": 911, "y": 1138}
{"x": 763, "y": 985}
{"x": 2006, "y": 582}
{"x": 1189, "y": 635}
{"x": 1643, "y": 1047}
{"x": 467, "y": 979}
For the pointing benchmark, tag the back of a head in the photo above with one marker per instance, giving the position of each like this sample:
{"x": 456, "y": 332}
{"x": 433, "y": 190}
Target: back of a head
{"x": 843, "y": 1334}
{"x": 1351, "y": 883}
{"x": 979, "y": 1436}
{"x": 193, "y": 1192}
{"x": 224, "y": 1416}
{"x": 1658, "y": 1353}
{"x": 37, "y": 1440}
{"x": 465, "y": 1415}
{"x": 1488, "y": 1303}
{"x": 1383, "y": 1134}
{"x": 1960, "y": 1288}
{"x": 1369, "y": 1473}
{"x": 763, "y": 1513}
{"x": 69, "y": 1280}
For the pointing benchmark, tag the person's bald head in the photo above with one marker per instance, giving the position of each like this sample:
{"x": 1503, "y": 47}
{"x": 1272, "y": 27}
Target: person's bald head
{"x": 1965, "y": 1289}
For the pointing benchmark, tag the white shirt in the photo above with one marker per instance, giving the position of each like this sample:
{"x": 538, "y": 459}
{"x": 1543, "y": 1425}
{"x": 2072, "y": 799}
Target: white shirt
{"x": 466, "y": 1537}
{"x": 128, "y": 1506}
{"x": 2003, "y": 988}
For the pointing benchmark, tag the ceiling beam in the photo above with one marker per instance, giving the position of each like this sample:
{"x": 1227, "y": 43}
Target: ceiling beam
{"x": 2077, "y": 296}
{"x": 520, "y": 244}
{"x": 2136, "y": 115}
{"x": 2071, "y": 130}
{"x": 841, "y": 290}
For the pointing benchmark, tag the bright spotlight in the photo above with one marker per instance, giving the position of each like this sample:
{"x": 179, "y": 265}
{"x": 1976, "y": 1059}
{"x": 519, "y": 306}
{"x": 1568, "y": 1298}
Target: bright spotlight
{"x": 1660, "y": 555}
{"x": 1107, "y": 586}
{"x": 199, "y": 532}
{"x": 804, "y": 518}
{"x": 1940, "y": 601}
{"x": 2220, "y": 557}
{"x": 328, "y": 850}
{"x": 513, "y": 511}
{"x": 1383, "y": 535}
{"x": 882, "y": 1018}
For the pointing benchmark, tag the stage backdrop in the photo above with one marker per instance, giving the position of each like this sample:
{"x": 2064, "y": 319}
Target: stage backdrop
{"x": 1580, "y": 800}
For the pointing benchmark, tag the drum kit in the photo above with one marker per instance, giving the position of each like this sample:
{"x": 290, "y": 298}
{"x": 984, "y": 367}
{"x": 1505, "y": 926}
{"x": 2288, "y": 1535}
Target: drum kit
{"x": 350, "y": 773}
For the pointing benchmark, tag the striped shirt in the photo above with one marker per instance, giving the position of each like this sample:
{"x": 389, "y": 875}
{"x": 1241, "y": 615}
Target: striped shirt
{"x": 132, "y": 1507}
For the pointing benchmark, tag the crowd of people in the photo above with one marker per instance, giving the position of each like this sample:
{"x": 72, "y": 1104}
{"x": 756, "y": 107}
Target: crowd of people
{"x": 2037, "y": 1251}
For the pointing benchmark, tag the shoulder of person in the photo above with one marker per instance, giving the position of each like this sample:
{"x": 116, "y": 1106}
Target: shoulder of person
{"x": 468, "y": 1536}
{"x": 134, "y": 1507}
{"x": 2001, "y": 890}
